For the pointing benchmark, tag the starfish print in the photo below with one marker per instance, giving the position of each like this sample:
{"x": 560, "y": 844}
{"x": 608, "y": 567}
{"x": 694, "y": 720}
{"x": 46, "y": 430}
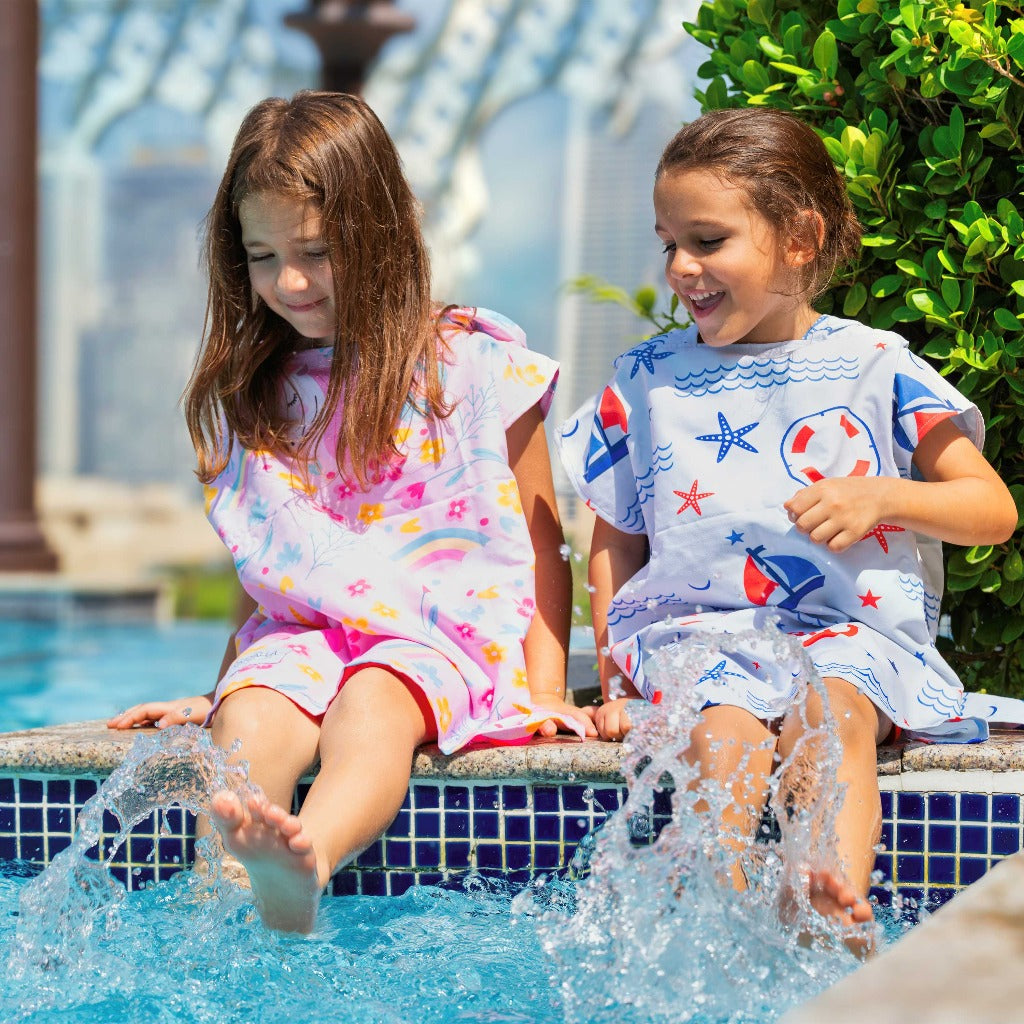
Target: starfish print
{"x": 734, "y": 538}
{"x": 717, "y": 674}
{"x": 691, "y": 498}
{"x": 644, "y": 355}
{"x": 869, "y": 599}
{"x": 728, "y": 437}
{"x": 879, "y": 530}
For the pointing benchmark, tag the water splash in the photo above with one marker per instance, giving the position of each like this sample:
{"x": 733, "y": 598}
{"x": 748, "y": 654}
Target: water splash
{"x": 69, "y": 914}
{"x": 656, "y": 931}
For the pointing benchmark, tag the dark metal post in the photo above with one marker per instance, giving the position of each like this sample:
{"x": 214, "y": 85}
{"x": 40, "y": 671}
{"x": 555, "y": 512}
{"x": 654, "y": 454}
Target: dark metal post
{"x": 22, "y": 545}
{"x": 349, "y": 34}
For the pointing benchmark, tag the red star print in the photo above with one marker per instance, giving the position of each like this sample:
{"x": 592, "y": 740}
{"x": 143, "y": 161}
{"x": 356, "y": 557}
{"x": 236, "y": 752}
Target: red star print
{"x": 691, "y": 498}
{"x": 880, "y": 344}
{"x": 869, "y": 599}
{"x": 878, "y": 531}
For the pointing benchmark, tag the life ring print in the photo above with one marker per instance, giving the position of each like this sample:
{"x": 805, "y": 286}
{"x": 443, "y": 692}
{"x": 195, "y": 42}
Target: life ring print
{"x": 833, "y": 442}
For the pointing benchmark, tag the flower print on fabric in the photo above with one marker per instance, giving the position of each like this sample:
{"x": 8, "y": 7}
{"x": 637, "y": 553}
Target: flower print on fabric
{"x": 426, "y": 572}
{"x": 698, "y": 447}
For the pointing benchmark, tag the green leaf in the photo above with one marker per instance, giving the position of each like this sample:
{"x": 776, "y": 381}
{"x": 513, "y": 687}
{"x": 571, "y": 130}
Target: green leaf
{"x": 1013, "y": 565}
{"x": 855, "y": 298}
{"x": 1006, "y": 319}
{"x": 951, "y": 292}
{"x": 825, "y": 54}
{"x": 888, "y": 285}
{"x": 978, "y": 554}
{"x": 956, "y": 127}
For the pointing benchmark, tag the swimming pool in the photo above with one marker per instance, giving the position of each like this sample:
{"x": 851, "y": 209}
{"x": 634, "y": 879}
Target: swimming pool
{"x": 489, "y": 820}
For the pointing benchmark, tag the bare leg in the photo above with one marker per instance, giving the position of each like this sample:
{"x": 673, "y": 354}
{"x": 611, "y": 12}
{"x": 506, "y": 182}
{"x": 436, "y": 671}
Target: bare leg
{"x": 734, "y": 749}
{"x": 840, "y": 889}
{"x": 366, "y": 739}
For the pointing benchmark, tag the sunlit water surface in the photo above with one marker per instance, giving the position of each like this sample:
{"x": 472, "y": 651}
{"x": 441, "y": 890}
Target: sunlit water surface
{"x": 650, "y": 935}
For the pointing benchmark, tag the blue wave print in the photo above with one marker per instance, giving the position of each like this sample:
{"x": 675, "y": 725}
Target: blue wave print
{"x": 865, "y": 676}
{"x": 628, "y": 608}
{"x": 662, "y": 462}
{"x": 914, "y": 589}
{"x": 634, "y": 515}
{"x": 767, "y": 373}
{"x": 937, "y": 698}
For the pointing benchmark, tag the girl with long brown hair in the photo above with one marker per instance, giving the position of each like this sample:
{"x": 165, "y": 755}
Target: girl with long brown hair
{"x": 378, "y": 469}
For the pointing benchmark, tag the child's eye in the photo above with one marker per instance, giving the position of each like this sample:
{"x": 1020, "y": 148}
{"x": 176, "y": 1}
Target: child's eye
{"x": 711, "y": 244}
{"x": 258, "y": 257}
{"x": 669, "y": 247}
{"x": 318, "y": 254}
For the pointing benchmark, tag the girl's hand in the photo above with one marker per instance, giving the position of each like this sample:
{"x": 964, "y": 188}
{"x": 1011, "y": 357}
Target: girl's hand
{"x": 557, "y": 705}
{"x": 611, "y": 719}
{"x": 163, "y": 713}
{"x": 840, "y": 511}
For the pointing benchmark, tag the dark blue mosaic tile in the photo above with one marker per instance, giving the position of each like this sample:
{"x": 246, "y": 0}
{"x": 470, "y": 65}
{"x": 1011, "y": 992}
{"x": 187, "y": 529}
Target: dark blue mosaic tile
{"x": 489, "y": 855}
{"x": 517, "y": 858}
{"x": 909, "y": 869}
{"x": 941, "y": 870}
{"x": 547, "y": 858}
{"x": 112, "y": 826}
{"x": 345, "y": 883}
{"x": 574, "y": 829}
{"x": 399, "y": 883}
{"x": 32, "y": 848}
{"x": 909, "y": 807}
{"x": 30, "y": 819}
{"x": 400, "y": 826}
{"x": 547, "y": 828}
{"x": 973, "y": 839}
{"x": 973, "y": 807}
{"x": 545, "y": 800}
{"x": 58, "y": 819}
{"x": 576, "y": 798}
{"x": 7, "y": 791}
{"x": 515, "y": 798}
{"x": 1005, "y": 807}
{"x": 30, "y": 791}
{"x": 457, "y": 856}
{"x": 397, "y": 853}
{"x": 517, "y": 829}
{"x": 426, "y": 796}
{"x": 942, "y": 807}
{"x": 456, "y": 798}
{"x": 456, "y": 825}
{"x": 428, "y": 855}
{"x": 372, "y": 856}
{"x": 8, "y": 819}
{"x": 429, "y": 878}
{"x": 942, "y": 838}
{"x": 1005, "y": 841}
{"x": 170, "y": 850}
{"x": 8, "y": 847}
{"x": 486, "y": 798}
{"x": 58, "y": 791}
{"x": 374, "y": 883}
{"x": 971, "y": 869}
{"x": 935, "y": 898}
{"x": 428, "y": 825}
{"x": 486, "y": 825}
{"x": 606, "y": 800}
{"x": 909, "y": 838}
{"x": 886, "y": 805}
{"x": 880, "y": 897}
{"x": 85, "y": 790}
{"x": 886, "y": 838}
{"x": 663, "y": 802}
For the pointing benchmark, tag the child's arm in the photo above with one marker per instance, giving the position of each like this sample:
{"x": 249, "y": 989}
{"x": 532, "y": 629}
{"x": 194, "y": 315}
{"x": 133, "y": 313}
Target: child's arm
{"x": 961, "y": 499}
{"x": 615, "y": 558}
{"x": 546, "y": 646}
{"x": 163, "y": 713}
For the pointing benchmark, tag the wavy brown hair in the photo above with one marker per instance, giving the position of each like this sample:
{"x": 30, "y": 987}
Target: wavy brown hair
{"x": 785, "y": 169}
{"x": 331, "y": 151}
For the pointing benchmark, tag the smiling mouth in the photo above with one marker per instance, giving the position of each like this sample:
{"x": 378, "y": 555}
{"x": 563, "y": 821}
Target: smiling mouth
{"x": 701, "y": 302}
{"x": 304, "y": 307}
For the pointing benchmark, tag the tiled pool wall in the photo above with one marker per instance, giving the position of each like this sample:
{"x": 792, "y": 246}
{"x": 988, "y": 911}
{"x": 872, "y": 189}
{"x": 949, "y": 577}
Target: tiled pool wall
{"x": 934, "y": 842}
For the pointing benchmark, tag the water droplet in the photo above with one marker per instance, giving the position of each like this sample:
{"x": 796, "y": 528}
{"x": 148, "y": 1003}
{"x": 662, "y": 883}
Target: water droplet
{"x": 565, "y": 551}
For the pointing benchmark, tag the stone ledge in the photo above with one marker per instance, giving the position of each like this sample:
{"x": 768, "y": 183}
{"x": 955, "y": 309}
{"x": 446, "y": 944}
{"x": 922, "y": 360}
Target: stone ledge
{"x": 89, "y": 748}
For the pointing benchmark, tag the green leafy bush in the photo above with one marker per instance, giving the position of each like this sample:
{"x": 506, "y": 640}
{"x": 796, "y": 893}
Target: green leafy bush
{"x": 920, "y": 105}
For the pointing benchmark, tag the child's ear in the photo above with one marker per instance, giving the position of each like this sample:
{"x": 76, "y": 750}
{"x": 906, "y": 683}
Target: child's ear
{"x": 807, "y": 234}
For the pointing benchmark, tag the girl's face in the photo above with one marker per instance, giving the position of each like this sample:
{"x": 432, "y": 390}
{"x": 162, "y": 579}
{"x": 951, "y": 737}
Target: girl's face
{"x": 725, "y": 262}
{"x": 289, "y": 264}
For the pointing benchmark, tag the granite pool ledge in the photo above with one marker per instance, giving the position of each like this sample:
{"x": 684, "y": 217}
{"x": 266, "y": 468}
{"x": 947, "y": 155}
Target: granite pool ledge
{"x": 89, "y": 748}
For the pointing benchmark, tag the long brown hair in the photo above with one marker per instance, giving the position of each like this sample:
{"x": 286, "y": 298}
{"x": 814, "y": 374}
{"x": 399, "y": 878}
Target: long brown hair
{"x": 331, "y": 151}
{"x": 785, "y": 170}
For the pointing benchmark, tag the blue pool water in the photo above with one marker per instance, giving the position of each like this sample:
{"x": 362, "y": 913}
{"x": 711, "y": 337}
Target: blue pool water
{"x": 71, "y": 673}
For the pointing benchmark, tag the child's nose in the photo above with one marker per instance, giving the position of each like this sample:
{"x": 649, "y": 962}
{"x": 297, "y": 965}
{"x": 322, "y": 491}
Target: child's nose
{"x": 291, "y": 279}
{"x": 684, "y": 264}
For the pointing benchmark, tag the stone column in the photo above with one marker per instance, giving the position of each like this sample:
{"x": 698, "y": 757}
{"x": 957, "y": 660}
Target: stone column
{"x": 349, "y": 34}
{"x": 22, "y": 545}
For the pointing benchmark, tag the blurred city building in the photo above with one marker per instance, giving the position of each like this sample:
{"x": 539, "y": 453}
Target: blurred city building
{"x": 529, "y": 128}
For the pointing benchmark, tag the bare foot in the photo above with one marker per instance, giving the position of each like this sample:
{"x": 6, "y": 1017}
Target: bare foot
{"x": 277, "y": 855}
{"x": 832, "y": 896}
